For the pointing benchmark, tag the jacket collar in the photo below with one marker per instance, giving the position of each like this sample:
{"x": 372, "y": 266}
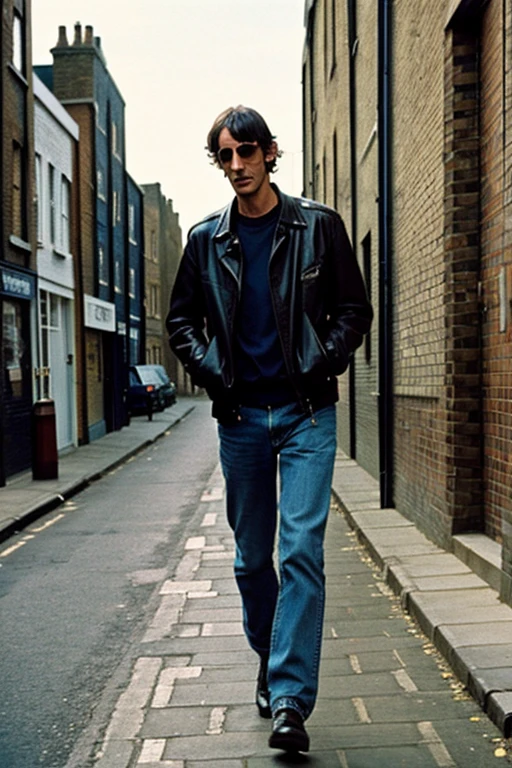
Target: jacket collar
{"x": 291, "y": 216}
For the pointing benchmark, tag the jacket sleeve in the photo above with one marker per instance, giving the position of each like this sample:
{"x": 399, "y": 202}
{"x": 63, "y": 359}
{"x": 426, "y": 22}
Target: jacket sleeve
{"x": 351, "y": 312}
{"x": 185, "y": 320}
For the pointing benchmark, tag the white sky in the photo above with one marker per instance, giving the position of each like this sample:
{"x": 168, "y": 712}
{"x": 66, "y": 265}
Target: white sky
{"x": 178, "y": 63}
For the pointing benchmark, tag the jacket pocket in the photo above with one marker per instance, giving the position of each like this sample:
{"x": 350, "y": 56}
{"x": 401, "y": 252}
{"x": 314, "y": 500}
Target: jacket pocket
{"x": 311, "y": 354}
{"x": 208, "y": 373}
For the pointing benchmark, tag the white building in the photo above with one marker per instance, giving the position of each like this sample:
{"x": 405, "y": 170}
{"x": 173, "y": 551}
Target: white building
{"x": 56, "y": 135}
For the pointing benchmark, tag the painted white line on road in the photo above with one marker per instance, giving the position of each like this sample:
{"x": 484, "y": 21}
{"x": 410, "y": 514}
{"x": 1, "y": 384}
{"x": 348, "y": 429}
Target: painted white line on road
{"x": 404, "y": 681}
{"x": 361, "y": 710}
{"x": 47, "y": 524}
{"x": 354, "y": 663}
{"x": 12, "y": 549}
{"x": 216, "y": 724}
{"x": 435, "y": 745}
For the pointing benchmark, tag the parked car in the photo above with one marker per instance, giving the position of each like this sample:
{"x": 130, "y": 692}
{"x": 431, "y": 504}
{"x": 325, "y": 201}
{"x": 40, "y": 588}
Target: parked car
{"x": 149, "y": 388}
{"x": 169, "y": 386}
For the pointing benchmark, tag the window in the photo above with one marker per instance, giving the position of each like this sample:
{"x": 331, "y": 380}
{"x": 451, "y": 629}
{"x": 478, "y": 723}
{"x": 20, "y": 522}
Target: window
{"x": 100, "y": 184}
{"x": 118, "y": 283}
{"x": 154, "y": 301}
{"x": 53, "y": 204}
{"x": 131, "y": 223}
{"x": 116, "y": 208}
{"x": 132, "y": 283}
{"x": 154, "y": 253}
{"x": 18, "y": 206}
{"x": 64, "y": 216}
{"x": 18, "y": 48}
{"x": 102, "y": 266}
{"x": 39, "y": 197}
{"x": 116, "y": 140}
{"x": 13, "y": 348}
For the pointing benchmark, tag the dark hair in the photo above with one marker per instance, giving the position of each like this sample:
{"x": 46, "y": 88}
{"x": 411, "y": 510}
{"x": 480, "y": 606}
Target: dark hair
{"x": 244, "y": 124}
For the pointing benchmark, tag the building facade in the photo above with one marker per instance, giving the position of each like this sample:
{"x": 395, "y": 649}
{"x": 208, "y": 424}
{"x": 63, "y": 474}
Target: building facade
{"x": 17, "y": 239}
{"x": 162, "y": 255}
{"x": 407, "y": 126}
{"x": 80, "y": 79}
{"x": 56, "y": 137}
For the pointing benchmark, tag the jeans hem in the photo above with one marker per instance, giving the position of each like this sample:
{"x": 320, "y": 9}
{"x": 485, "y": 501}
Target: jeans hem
{"x": 289, "y": 702}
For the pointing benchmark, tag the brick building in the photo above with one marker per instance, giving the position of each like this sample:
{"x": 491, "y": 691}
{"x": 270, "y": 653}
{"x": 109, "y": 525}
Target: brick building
{"x": 80, "y": 79}
{"x": 162, "y": 254}
{"x": 17, "y": 238}
{"x": 407, "y": 131}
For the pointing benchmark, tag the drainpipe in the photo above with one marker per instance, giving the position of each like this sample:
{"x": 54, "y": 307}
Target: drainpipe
{"x": 386, "y": 441}
{"x": 352, "y": 51}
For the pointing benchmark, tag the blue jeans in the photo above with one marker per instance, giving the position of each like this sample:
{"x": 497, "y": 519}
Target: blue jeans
{"x": 283, "y": 616}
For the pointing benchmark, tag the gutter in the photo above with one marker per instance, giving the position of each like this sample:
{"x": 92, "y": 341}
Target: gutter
{"x": 386, "y": 436}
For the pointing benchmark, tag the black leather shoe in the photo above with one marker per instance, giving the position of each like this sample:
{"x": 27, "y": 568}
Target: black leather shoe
{"x": 288, "y": 732}
{"x": 262, "y": 692}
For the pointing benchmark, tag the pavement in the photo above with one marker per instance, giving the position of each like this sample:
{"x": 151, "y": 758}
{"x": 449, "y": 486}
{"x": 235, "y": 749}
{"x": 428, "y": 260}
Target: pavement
{"x": 417, "y": 654}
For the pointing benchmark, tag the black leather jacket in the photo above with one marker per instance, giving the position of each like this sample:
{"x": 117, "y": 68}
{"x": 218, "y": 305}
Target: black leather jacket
{"x": 318, "y": 295}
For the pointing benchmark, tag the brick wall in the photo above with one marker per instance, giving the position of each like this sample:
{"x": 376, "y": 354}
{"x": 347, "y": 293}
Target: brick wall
{"x": 496, "y": 267}
{"x": 327, "y": 177}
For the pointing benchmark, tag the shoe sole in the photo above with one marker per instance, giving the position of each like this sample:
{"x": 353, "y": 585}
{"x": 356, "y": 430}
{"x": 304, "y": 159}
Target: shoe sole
{"x": 289, "y": 742}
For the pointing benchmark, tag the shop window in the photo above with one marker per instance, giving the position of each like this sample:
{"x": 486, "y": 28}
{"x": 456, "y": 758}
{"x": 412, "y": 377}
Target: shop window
{"x": 13, "y": 348}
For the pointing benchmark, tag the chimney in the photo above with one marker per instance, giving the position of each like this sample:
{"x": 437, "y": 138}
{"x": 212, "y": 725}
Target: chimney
{"x": 78, "y": 34}
{"x": 97, "y": 42}
{"x": 62, "y": 42}
{"x": 89, "y": 39}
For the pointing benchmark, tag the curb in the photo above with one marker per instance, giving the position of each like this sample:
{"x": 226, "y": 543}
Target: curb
{"x": 16, "y": 524}
{"x": 491, "y": 687}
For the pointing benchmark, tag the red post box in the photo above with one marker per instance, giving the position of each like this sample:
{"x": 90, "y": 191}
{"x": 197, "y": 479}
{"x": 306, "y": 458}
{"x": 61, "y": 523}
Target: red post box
{"x": 45, "y": 465}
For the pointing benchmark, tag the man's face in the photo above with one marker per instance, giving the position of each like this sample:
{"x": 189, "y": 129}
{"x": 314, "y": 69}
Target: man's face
{"x": 247, "y": 175}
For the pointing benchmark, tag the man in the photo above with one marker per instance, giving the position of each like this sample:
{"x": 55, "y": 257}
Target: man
{"x": 267, "y": 309}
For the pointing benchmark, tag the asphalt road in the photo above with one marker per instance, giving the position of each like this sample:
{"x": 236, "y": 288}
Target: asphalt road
{"x": 74, "y": 600}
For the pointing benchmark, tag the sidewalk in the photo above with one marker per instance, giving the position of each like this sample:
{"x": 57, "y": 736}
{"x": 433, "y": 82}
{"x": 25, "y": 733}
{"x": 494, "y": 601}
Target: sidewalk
{"x": 386, "y": 696}
{"x": 23, "y": 500}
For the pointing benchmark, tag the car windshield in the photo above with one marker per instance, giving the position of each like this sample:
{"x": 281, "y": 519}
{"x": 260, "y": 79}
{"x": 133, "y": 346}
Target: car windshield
{"x": 148, "y": 375}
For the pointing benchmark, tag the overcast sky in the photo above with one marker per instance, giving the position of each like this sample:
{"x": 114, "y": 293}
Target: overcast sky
{"x": 178, "y": 63}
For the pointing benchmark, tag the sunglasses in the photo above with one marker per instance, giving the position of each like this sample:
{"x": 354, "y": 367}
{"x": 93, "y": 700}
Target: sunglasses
{"x": 245, "y": 151}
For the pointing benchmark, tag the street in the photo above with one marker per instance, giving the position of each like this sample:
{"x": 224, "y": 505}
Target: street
{"x": 76, "y": 597}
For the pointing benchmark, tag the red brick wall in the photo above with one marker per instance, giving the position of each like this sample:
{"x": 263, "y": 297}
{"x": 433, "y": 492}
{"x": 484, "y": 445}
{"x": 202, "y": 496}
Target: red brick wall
{"x": 496, "y": 265}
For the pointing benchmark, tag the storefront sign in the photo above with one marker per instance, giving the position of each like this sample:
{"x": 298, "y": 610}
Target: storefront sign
{"x": 99, "y": 314}
{"x": 17, "y": 284}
